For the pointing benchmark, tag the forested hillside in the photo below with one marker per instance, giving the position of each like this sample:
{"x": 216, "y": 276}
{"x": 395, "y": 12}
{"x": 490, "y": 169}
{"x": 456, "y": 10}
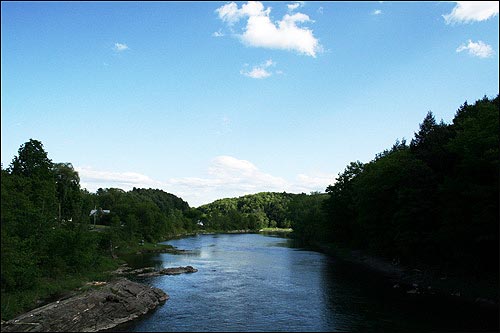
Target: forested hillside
{"x": 49, "y": 242}
{"x": 253, "y": 212}
{"x": 432, "y": 201}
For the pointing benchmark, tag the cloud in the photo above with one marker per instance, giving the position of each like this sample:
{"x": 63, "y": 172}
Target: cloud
{"x": 470, "y": 11}
{"x": 93, "y": 179}
{"x": 256, "y": 73}
{"x": 478, "y": 49}
{"x": 318, "y": 182}
{"x": 226, "y": 176}
{"x": 259, "y": 71}
{"x": 231, "y": 14}
{"x": 261, "y": 32}
{"x": 119, "y": 47}
{"x": 295, "y": 5}
{"x": 218, "y": 34}
{"x": 377, "y": 12}
{"x": 232, "y": 175}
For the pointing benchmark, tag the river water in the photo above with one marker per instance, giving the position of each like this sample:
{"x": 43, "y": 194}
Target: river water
{"x": 254, "y": 282}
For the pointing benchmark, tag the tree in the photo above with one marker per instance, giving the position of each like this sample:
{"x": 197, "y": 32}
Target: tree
{"x": 34, "y": 169}
{"x": 68, "y": 191}
{"x": 32, "y": 161}
{"x": 340, "y": 206}
{"x": 429, "y": 145}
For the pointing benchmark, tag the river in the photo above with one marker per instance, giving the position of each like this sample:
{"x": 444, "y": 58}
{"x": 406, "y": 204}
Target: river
{"x": 255, "y": 282}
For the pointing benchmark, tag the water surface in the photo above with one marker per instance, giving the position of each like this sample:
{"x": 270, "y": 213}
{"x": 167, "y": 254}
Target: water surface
{"x": 254, "y": 282}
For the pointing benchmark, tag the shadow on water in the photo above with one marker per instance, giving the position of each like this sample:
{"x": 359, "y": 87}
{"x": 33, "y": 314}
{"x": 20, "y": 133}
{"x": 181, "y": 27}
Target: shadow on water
{"x": 372, "y": 303}
{"x": 253, "y": 282}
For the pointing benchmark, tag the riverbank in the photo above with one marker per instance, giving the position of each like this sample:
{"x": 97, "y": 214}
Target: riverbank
{"x": 421, "y": 280}
{"x": 53, "y": 289}
{"x": 99, "y": 306}
{"x": 103, "y": 307}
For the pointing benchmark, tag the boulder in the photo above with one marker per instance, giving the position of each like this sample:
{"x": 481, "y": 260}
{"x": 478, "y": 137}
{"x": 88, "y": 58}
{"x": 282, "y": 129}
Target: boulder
{"x": 178, "y": 270}
{"x": 171, "y": 271}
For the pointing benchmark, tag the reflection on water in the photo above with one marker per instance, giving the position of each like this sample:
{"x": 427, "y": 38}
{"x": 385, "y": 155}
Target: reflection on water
{"x": 252, "y": 282}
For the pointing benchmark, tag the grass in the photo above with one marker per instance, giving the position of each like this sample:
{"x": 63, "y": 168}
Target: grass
{"x": 133, "y": 248}
{"x": 276, "y": 230}
{"x": 50, "y": 289}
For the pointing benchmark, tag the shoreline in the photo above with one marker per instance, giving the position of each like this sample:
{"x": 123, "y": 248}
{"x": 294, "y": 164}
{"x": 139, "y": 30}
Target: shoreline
{"x": 418, "y": 281}
{"x": 406, "y": 280}
{"x": 102, "y": 308}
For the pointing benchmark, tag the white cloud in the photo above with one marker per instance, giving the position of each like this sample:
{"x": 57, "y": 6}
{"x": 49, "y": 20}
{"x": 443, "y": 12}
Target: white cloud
{"x": 261, "y": 32}
{"x": 477, "y": 49}
{"x": 317, "y": 182}
{"x": 377, "y": 12}
{"x": 231, "y": 14}
{"x": 295, "y": 5}
{"x": 218, "y": 34}
{"x": 320, "y": 10}
{"x": 119, "y": 47}
{"x": 226, "y": 176}
{"x": 256, "y": 73}
{"x": 259, "y": 71}
{"x": 470, "y": 11}
{"x": 93, "y": 179}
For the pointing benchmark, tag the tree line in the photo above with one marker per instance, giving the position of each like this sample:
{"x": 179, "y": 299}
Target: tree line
{"x": 48, "y": 237}
{"x": 248, "y": 212}
{"x": 432, "y": 201}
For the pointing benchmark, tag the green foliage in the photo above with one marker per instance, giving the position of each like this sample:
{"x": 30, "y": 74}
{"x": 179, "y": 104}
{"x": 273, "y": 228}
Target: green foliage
{"x": 308, "y": 219}
{"x": 45, "y": 237}
{"x": 393, "y": 199}
{"x": 32, "y": 161}
{"x": 340, "y": 206}
{"x": 146, "y": 214}
{"x": 37, "y": 242}
{"x": 249, "y": 212}
{"x": 434, "y": 201}
{"x": 68, "y": 191}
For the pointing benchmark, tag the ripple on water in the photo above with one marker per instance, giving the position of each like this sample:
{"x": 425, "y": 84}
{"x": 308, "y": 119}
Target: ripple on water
{"x": 251, "y": 282}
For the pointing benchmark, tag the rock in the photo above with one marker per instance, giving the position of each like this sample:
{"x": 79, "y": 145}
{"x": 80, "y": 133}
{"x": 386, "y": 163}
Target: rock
{"x": 141, "y": 270}
{"x": 122, "y": 270}
{"x": 171, "y": 271}
{"x": 99, "y": 309}
{"x": 94, "y": 283}
{"x": 178, "y": 270}
{"x": 484, "y": 302}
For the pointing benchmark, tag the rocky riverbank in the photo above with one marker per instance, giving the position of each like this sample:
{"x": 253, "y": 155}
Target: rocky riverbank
{"x": 416, "y": 281}
{"x": 151, "y": 271}
{"x": 103, "y": 308}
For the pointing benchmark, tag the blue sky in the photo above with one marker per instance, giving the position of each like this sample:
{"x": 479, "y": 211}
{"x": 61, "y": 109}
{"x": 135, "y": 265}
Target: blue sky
{"x": 207, "y": 100}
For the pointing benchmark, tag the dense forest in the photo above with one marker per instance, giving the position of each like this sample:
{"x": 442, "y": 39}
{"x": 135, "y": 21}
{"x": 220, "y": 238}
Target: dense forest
{"x": 49, "y": 240}
{"x": 249, "y": 212}
{"x": 432, "y": 201}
